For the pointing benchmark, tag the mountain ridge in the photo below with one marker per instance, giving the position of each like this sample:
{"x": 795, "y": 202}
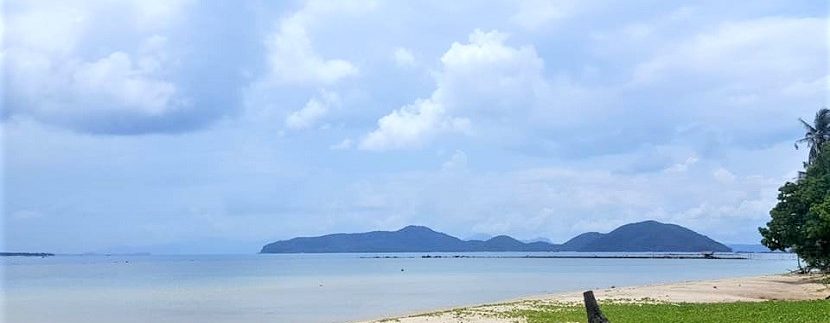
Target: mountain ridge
{"x": 633, "y": 237}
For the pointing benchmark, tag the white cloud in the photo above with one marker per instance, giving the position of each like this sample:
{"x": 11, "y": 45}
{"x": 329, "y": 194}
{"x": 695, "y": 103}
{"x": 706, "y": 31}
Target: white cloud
{"x": 25, "y": 28}
{"x": 291, "y": 55}
{"x": 55, "y": 88}
{"x": 561, "y": 201}
{"x": 483, "y": 78}
{"x": 458, "y": 161}
{"x": 117, "y": 81}
{"x": 342, "y": 145}
{"x": 293, "y": 60}
{"x": 533, "y": 14}
{"x": 710, "y": 79}
{"x": 790, "y": 48}
{"x": 723, "y": 175}
{"x": 486, "y": 74}
{"x": 403, "y": 57}
{"x": 589, "y": 148}
{"x": 52, "y": 79}
{"x": 412, "y": 126}
{"x": 682, "y": 166}
{"x": 315, "y": 109}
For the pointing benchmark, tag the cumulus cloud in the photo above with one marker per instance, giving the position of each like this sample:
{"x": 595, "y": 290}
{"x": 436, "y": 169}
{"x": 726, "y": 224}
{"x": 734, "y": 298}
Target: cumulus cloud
{"x": 121, "y": 87}
{"x": 486, "y": 75}
{"x": 291, "y": 55}
{"x": 484, "y": 78}
{"x": 117, "y": 78}
{"x": 315, "y": 109}
{"x": 403, "y": 57}
{"x": 412, "y": 126}
{"x": 293, "y": 60}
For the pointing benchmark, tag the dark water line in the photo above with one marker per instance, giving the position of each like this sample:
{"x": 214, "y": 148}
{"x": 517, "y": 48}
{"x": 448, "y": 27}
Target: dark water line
{"x": 568, "y": 257}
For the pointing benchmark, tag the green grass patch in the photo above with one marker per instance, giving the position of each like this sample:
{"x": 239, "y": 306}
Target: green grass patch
{"x": 770, "y": 311}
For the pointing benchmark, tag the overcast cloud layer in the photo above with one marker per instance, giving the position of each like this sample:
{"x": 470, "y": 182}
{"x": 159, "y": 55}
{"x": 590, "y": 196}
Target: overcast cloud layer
{"x": 184, "y": 126}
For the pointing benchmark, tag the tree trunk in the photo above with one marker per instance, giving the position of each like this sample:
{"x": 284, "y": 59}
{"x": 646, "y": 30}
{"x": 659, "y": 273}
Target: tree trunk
{"x": 800, "y": 269}
{"x": 591, "y": 306}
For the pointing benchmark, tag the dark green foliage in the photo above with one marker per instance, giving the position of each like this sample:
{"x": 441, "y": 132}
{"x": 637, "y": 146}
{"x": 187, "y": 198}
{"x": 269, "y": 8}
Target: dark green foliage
{"x": 801, "y": 219}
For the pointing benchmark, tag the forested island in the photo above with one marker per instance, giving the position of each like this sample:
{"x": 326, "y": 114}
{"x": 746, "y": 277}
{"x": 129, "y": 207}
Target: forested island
{"x": 647, "y": 236}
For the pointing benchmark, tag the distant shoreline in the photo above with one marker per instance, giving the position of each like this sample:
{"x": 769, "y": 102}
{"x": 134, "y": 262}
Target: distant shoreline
{"x": 26, "y": 254}
{"x": 663, "y": 256}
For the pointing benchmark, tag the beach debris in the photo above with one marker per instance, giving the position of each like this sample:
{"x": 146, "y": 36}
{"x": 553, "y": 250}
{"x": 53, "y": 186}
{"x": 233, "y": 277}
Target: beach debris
{"x": 592, "y": 308}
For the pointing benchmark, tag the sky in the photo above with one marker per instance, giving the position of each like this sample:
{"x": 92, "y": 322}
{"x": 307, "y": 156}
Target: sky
{"x": 217, "y": 126}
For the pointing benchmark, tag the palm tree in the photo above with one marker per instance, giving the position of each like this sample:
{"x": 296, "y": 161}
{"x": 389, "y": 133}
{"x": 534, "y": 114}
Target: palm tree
{"x": 816, "y": 134}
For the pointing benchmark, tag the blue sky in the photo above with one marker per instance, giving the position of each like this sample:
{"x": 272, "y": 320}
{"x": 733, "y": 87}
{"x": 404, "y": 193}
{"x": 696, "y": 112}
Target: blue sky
{"x": 186, "y": 126}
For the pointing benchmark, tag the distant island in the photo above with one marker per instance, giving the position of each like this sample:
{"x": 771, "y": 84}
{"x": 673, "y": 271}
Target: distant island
{"x": 26, "y": 254}
{"x": 634, "y": 237}
{"x": 751, "y": 248}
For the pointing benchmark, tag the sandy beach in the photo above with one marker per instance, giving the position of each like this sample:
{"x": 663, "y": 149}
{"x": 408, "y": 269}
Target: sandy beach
{"x": 744, "y": 289}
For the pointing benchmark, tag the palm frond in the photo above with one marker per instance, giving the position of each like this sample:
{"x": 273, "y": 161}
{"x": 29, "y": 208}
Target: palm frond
{"x": 807, "y": 126}
{"x": 822, "y": 121}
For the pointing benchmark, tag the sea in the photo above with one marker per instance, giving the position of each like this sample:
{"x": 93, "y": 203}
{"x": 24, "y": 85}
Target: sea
{"x": 323, "y": 287}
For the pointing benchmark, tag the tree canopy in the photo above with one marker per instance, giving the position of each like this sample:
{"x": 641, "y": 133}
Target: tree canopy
{"x": 816, "y": 134}
{"x": 800, "y": 222}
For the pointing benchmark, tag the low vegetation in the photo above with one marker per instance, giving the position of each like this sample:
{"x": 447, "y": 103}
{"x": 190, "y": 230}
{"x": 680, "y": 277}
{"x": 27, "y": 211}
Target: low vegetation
{"x": 770, "y": 311}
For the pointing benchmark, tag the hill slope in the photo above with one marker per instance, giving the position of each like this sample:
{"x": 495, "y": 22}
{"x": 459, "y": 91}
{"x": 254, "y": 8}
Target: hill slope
{"x": 653, "y": 236}
{"x": 579, "y": 242}
{"x": 408, "y": 239}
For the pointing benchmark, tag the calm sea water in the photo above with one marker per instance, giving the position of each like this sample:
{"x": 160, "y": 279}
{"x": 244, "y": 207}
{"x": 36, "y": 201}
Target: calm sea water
{"x": 317, "y": 287}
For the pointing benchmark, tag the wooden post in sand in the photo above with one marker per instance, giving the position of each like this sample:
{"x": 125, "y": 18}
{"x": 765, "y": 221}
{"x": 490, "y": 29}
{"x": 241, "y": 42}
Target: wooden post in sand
{"x": 591, "y": 306}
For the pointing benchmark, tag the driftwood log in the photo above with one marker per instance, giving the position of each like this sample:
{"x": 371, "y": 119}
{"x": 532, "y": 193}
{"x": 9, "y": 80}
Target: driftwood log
{"x": 591, "y": 306}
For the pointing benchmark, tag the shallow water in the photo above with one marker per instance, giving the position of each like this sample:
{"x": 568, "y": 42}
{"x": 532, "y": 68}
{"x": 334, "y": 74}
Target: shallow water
{"x": 317, "y": 287}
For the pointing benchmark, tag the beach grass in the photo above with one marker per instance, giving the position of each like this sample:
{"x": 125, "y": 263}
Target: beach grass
{"x": 768, "y": 311}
